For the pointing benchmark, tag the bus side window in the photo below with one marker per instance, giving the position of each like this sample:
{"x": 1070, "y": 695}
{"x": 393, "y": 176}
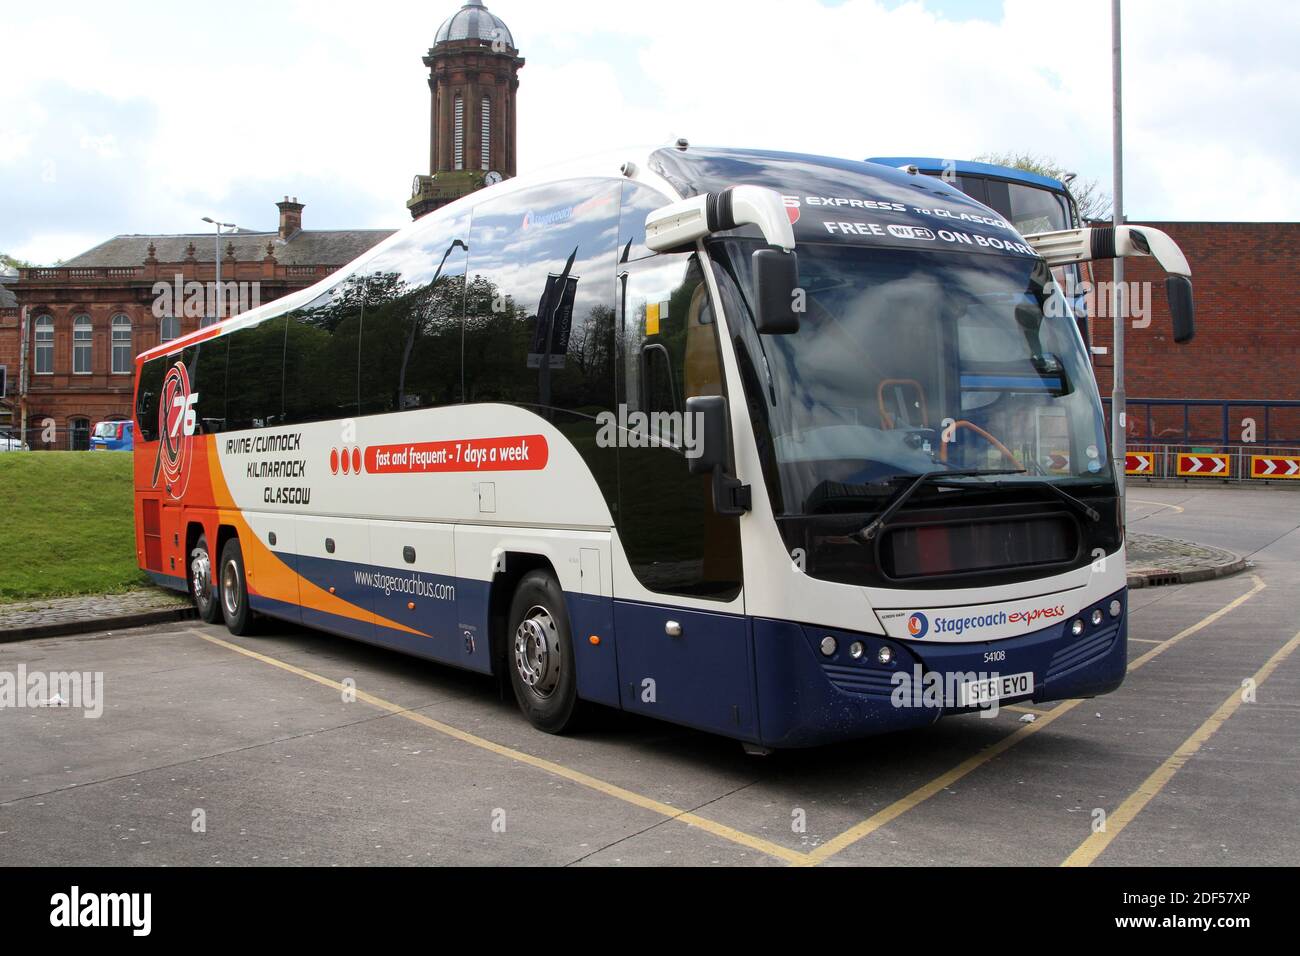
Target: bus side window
{"x": 539, "y": 310}
{"x": 146, "y": 401}
{"x": 206, "y": 364}
{"x": 669, "y": 352}
{"x": 320, "y": 356}
{"x": 256, "y": 370}
{"x": 411, "y": 323}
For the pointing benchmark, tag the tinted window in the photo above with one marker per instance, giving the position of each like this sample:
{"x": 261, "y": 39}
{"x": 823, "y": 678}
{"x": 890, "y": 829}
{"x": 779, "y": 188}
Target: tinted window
{"x": 148, "y": 389}
{"x": 206, "y": 365}
{"x": 668, "y": 352}
{"x": 414, "y": 298}
{"x": 539, "y": 309}
{"x": 320, "y": 355}
{"x": 255, "y": 381}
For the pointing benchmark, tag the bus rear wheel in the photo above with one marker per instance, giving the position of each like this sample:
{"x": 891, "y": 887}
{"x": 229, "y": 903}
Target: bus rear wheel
{"x": 234, "y": 590}
{"x": 539, "y": 655}
{"x": 203, "y": 582}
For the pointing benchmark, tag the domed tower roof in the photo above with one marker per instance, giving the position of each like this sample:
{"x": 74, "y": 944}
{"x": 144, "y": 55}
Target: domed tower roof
{"x": 474, "y": 22}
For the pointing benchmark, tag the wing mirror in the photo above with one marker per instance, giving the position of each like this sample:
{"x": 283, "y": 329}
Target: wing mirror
{"x": 776, "y": 282}
{"x": 713, "y": 453}
{"x": 1120, "y": 242}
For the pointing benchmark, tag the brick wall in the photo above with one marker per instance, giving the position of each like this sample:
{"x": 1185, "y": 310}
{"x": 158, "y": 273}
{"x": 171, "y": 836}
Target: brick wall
{"x": 1247, "y": 343}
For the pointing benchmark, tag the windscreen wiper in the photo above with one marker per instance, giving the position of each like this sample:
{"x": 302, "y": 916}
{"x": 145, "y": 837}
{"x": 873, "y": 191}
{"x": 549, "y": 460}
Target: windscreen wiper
{"x": 1081, "y": 506}
{"x": 900, "y": 499}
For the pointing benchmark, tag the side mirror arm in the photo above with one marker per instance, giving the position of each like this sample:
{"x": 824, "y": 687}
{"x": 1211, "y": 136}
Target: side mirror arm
{"x": 1120, "y": 242}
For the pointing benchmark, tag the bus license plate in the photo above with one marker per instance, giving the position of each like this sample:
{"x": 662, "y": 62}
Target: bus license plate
{"x": 995, "y": 688}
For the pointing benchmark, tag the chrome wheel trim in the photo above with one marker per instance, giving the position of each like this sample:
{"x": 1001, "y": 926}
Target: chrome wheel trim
{"x": 537, "y": 652}
{"x": 201, "y": 575}
{"x": 230, "y": 588}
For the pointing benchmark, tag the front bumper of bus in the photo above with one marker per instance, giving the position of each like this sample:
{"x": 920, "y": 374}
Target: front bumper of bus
{"x": 807, "y": 697}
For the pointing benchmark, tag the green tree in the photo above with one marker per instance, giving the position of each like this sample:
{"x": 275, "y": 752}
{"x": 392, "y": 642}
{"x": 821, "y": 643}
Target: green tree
{"x": 13, "y": 263}
{"x": 1093, "y": 201}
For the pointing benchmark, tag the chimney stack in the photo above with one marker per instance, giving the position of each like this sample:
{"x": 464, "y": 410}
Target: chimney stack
{"x": 290, "y": 217}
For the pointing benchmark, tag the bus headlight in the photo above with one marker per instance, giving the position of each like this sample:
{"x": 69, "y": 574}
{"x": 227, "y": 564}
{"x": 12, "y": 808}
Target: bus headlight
{"x": 885, "y": 656}
{"x": 1097, "y": 617}
{"x": 829, "y": 646}
{"x": 1077, "y": 627}
{"x": 856, "y": 650}
{"x": 1115, "y": 608}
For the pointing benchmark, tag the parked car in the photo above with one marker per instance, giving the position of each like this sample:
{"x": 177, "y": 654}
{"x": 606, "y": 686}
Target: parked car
{"x": 11, "y": 442}
{"x": 113, "y": 436}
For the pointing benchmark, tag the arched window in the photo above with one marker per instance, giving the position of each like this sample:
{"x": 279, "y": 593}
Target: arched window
{"x": 458, "y": 137}
{"x": 169, "y": 328}
{"x": 485, "y": 111}
{"x": 83, "y": 343}
{"x": 121, "y": 345}
{"x": 44, "y": 345}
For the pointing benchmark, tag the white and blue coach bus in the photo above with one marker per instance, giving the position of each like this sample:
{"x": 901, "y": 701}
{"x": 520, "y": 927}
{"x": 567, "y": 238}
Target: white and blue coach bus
{"x": 785, "y": 448}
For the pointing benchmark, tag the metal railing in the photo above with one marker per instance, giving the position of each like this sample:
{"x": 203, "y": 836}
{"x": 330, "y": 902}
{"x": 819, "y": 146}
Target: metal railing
{"x": 1256, "y": 464}
{"x": 1147, "y": 424}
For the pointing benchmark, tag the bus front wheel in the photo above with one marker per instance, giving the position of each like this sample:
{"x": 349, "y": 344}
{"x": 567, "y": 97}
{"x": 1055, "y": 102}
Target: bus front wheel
{"x": 539, "y": 654}
{"x": 203, "y": 582}
{"x": 234, "y": 590}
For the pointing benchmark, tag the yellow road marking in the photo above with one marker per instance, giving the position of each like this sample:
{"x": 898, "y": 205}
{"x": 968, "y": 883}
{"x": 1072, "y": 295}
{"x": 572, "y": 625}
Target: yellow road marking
{"x": 1095, "y": 845}
{"x": 1143, "y": 640}
{"x": 1025, "y": 709}
{"x": 559, "y": 770}
{"x": 918, "y": 796}
{"x": 820, "y": 854}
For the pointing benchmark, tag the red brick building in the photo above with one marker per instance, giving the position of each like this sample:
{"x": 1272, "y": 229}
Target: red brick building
{"x": 8, "y": 350}
{"x": 1247, "y": 344}
{"x": 87, "y": 319}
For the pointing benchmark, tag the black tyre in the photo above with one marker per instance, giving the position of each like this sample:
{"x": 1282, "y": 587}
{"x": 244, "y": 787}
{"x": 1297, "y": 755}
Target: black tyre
{"x": 539, "y": 655}
{"x": 234, "y": 589}
{"x": 203, "y": 582}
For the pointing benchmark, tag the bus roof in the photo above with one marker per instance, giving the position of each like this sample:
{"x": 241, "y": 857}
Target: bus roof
{"x": 968, "y": 167}
{"x": 828, "y": 198}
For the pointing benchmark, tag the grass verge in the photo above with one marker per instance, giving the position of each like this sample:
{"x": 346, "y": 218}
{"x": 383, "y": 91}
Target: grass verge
{"x": 66, "y": 525}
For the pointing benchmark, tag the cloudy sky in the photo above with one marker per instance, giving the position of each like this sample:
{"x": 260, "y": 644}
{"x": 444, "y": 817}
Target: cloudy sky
{"x": 143, "y": 117}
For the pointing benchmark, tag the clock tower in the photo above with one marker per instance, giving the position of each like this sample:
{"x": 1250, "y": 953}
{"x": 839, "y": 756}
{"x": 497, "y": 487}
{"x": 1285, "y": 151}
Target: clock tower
{"x": 473, "y": 84}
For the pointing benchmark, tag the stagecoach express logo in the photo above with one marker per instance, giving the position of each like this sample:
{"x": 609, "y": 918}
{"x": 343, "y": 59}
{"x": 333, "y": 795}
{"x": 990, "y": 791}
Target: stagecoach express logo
{"x": 919, "y": 624}
{"x": 176, "y": 426}
{"x": 558, "y": 217}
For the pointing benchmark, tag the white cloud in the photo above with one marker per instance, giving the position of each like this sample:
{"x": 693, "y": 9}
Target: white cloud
{"x": 153, "y": 117}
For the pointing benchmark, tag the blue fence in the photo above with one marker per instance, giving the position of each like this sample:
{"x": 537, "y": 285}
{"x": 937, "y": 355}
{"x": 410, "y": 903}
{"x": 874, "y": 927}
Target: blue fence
{"x": 1220, "y": 423}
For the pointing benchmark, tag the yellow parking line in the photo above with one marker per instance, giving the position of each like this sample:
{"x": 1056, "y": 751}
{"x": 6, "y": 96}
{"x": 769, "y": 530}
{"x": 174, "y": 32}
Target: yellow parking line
{"x": 627, "y": 796}
{"x": 918, "y": 796}
{"x": 1143, "y": 640}
{"x": 1095, "y": 845}
{"x": 1025, "y": 709}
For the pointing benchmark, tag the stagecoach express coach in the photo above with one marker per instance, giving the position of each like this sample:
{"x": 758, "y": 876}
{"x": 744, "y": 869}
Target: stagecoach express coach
{"x": 785, "y": 448}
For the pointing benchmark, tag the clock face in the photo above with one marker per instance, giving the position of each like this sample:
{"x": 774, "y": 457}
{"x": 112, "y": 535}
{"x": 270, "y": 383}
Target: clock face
{"x": 492, "y": 178}
{"x": 415, "y": 186}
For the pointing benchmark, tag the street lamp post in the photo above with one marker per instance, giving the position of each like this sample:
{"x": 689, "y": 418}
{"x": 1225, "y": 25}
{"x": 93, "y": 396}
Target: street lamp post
{"x": 1119, "y": 301}
{"x": 219, "y": 226}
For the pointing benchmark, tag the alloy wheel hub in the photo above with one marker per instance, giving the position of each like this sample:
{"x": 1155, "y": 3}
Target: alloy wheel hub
{"x": 537, "y": 652}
